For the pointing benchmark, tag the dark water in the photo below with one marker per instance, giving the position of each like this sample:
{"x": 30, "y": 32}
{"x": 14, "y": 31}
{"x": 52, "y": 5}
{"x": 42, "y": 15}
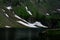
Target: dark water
{"x": 2, "y": 34}
{"x": 20, "y": 34}
{"x": 26, "y": 34}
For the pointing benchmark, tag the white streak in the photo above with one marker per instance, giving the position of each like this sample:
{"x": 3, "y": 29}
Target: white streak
{"x": 28, "y": 10}
{"x": 39, "y": 24}
{"x": 58, "y": 9}
{"x": 32, "y": 25}
{"x": 9, "y": 7}
{"x": 7, "y": 26}
{"x": 28, "y": 25}
{"x": 20, "y": 18}
{"x": 17, "y": 16}
{"x": 6, "y": 15}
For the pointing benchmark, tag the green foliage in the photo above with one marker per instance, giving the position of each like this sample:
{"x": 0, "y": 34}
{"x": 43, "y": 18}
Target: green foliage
{"x": 58, "y": 24}
{"x": 21, "y": 11}
{"x": 32, "y": 8}
{"x": 38, "y": 9}
{"x": 53, "y": 32}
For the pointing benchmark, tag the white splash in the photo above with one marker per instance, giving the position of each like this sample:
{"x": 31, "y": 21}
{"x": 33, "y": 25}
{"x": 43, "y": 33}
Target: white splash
{"x": 9, "y": 7}
{"x": 28, "y": 10}
{"x": 47, "y": 14}
{"x": 8, "y": 26}
{"x": 6, "y": 15}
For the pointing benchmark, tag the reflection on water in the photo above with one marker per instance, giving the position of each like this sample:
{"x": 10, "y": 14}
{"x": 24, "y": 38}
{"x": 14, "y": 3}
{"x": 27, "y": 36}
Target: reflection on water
{"x": 20, "y": 34}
